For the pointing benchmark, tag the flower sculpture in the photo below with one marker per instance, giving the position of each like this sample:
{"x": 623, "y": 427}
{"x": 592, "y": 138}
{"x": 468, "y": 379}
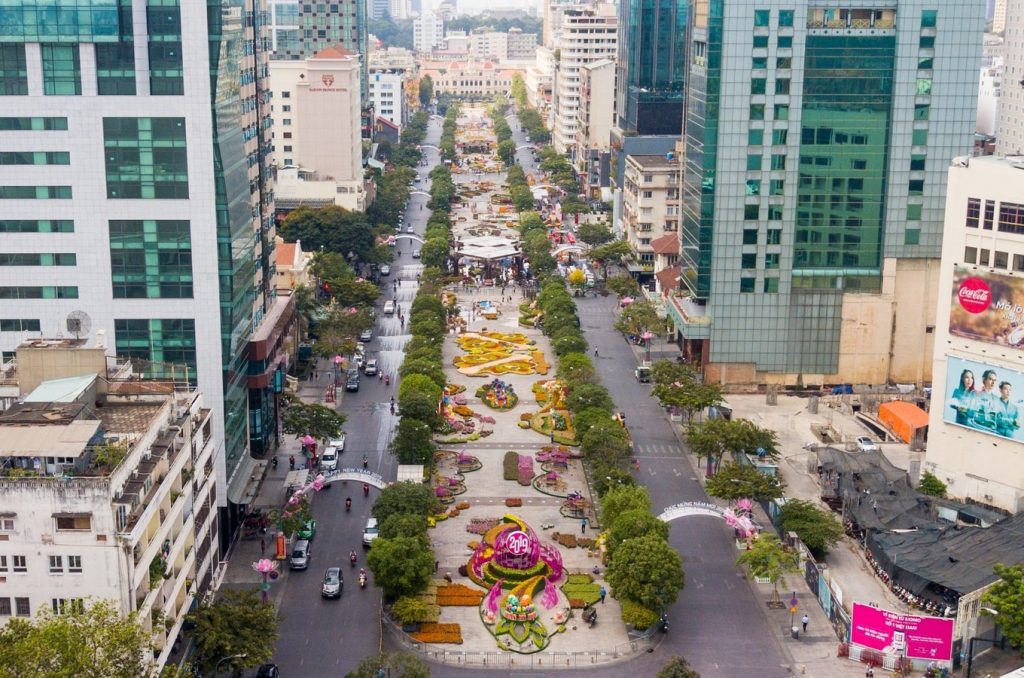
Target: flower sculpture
{"x": 267, "y": 569}
{"x": 739, "y": 519}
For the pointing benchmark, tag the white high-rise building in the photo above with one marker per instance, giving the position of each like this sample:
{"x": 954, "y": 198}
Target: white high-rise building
{"x": 387, "y": 92}
{"x": 1010, "y": 137}
{"x": 587, "y": 34}
{"x": 427, "y": 32}
{"x": 976, "y": 426}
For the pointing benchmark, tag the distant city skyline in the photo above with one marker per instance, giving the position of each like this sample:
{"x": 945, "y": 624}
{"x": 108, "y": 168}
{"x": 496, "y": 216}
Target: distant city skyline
{"x": 478, "y": 6}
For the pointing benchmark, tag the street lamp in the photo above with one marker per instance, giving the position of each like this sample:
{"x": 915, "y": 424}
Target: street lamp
{"x": 337, "y": 370}
{"x": 216, "y": 668}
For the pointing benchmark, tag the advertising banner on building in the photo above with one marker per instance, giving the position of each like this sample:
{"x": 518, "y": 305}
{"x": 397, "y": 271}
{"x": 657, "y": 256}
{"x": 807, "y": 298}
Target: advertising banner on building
{"x": 905, "y": 635}
{"x": 983, "y": 398}
{"x": 987, "y": 307}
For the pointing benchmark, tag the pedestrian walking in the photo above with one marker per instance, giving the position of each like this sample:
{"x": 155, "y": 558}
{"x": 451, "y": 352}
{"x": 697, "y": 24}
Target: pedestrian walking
{"x": 263, "y": 547}
{"x": 602, "y": 592}
{"x": 583, "y": 526}
{"x": 870, "y": 673}
{"x": 804, "y": 621}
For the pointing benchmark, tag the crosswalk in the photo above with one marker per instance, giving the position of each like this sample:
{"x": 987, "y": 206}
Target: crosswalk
{"x": 655, "y": 450}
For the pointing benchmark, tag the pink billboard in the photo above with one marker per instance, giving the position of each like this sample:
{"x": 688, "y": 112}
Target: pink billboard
{"x": 902, "y": 634}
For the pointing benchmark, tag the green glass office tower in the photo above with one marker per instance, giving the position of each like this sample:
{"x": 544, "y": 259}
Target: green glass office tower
{"x": 817, "y": 141}
{"x": 651, "y": 66}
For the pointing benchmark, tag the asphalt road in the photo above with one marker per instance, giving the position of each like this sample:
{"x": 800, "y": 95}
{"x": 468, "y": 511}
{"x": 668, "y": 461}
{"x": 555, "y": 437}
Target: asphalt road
{"x": 321, "y": 637}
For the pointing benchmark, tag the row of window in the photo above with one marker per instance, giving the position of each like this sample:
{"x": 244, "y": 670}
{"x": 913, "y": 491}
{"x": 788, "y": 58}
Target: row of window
{"x": 35, "y": 158}
{"x": 9, "y": 124}
{"x": 19, "y": 325}
{"x": 37, "y": 226}
{"x": 39, "y": 292}
{"x": 35, "y": 192}
{"x": 1011, "y": 216}
{"x": 23, "y": 608}
{"x": 37, "y": 259}
{"x": 996, "y": 259}
{"x": 19, "y": 564}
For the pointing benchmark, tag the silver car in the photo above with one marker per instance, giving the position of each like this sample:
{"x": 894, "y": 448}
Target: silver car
{"x": 333, "y": 583}
{"x": 300, "y": 555}
{"x": 370, "y": 369}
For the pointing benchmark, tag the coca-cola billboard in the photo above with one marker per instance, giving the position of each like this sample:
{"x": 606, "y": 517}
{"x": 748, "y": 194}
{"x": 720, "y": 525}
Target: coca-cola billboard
{"x": 987, "y": 307}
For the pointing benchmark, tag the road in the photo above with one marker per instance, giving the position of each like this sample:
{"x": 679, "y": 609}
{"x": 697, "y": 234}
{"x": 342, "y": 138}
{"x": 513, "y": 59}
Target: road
{"x": 320, "y": 637}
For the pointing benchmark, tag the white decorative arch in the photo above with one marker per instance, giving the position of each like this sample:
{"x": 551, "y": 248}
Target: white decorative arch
{"x": 692, "y": 508}
{"x": 430, "y": 146}
{"x": 565, "y": 248}
{"x": 357, "y": 474}
{"x": 519, "y": 148}
{"x": 410, "y": 236}
{"x": 419, "y": 192}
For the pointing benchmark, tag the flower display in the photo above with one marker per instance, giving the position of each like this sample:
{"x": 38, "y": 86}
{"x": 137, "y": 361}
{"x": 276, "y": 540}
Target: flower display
{"x": 498, "y": 395}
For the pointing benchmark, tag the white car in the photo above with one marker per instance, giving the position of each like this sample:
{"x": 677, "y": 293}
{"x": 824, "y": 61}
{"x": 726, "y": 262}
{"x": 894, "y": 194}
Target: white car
{"x": 865, "y": 444}
{"x": 329, "y": 459}
{"x": 370, "y": 368}
{"x": 338, "y": 443}
{"x": 370, "y": 532}
{"x": 385, "y": 269}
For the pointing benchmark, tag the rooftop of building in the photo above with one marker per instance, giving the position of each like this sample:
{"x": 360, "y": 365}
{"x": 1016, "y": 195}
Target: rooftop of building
{"x": 666, "y": 244}
{"x": 1009, "y": 161}
{"x": 284, "y": 254}
{"x": 333, "y": 52}
{"x": 654, "y": 161}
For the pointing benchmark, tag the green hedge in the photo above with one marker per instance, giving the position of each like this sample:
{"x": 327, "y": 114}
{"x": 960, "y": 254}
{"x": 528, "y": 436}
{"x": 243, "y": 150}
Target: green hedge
{"x": 510, "y": 466}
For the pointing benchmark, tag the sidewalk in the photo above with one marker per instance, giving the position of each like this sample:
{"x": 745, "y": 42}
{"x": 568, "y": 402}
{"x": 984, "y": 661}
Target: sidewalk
{"x": 271, "y": 494}
{"x": 814, "y": 653}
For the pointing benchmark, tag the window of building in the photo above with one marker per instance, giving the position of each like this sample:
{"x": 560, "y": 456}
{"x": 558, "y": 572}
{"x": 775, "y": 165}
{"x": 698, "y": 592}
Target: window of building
{"x": 1000, "y": 260}
{"x": 62, "y": 606}
{"x": 785, "y": 42}
{"x": 35, "y": 192}
{"x": 759, "y": 62}
{"x": 7, "y": 524}
{"x": 747, "y": 285}
{"x": 755, "y": 137}
{"x": 758, "y": 85}
{"x": 1018, "y": 262}
{"x": 647, "y": 194}
{"x": 762, "y": 17}
{"x": 748, "y": 260}
{"x": 990, "y": 215}
{"x": 782, "y": 86}
{"x": 75, "y": 523}
{"x": 18, "y": 325}
{"x": 926, "y": 42}
{"x": 151, "y": 259}
{"x": 971, "y": 255}
{"x": 171, "y": 341}
{"x": 922, "y": 111}
{"x": 19, "y": 564}
{"x": 771, "y": 260}
{"x": 33, "y": 124}
{"x": 771, "y": 285}
{"x": 13, "y": 70}
{"x": 750, "y": 236}
{"x": 915, "y": 187}
{"x": 786, "y": 18}
{"x": 37, "y": 226}
{"x": 38, "y": 292}
{"x": 983, "y": 257}
{"x": 929, "y": 18}
{"x": 286, "y": 94}
{"x": 753, "y": 187}
{"x": 919, "y": 137}
{"x": 750, "y": 212}
{"x": 777, "y": 187}
{"x": 753, "y": 162}
{"x": 760, "y": 41}
{"x": 37, "y": 259}
{"x": 4, "y": 566}
{"x": 757, "y": 111}
{"x": 779, "y": 137}
{"x": 912, "y": 236}
{"x": 75, "y": 564}
{"x": 774, "y": 236}
{"x": 35, "y": 158}
{"x": 22, "y": 608}
{"x": 56, "y": 565}
{"x": 61, "y": 70}
{"x": 778, "y": 161}
{"x": 973, "y": 212}
{"x": 917, "y": 162}
{"x": 924, "y": 86}
{"x": 784, "y": 62}
{"x": 167, "y": 73}
{"x": 781, "y": 111}
{"x": 913, "y": 212}
{"x": 774, "y": 212}
{"x": 115, "y": 68}
{"x": 146, "y": 158}
{"x": 5, "y": 607}
{"x": 924, "y": 63}
{"x": 1011, "y": 217}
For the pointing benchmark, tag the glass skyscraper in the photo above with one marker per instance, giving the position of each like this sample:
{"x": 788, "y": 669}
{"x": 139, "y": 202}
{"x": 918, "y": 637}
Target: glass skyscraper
{"x": 817, "y": 139}
{"x": 133, "y": 155}
{"x": 651, "y": 66}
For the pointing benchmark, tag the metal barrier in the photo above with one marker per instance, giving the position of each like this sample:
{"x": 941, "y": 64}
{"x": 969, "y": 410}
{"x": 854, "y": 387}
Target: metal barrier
{"x": 640, "y": 643}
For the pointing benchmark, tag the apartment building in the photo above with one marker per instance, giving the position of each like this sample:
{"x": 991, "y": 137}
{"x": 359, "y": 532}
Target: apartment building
{"x": 592, "y": 154}
{"x": 109, "y": 491}
{"x": 587, "y": 34}
{"x": 650, "y": 207}
{"x": 427, "y": 32}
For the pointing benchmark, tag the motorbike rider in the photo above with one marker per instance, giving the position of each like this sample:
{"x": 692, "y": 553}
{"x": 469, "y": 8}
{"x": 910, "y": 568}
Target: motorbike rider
{"x": 366, "y": 489}
{"x": 348, "y": 503}
{"x": 362, "y": 577}
{"x": 352, "y": 557}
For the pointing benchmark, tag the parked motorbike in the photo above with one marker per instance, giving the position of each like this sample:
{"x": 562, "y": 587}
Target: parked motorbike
{"x": 664, "y": 623}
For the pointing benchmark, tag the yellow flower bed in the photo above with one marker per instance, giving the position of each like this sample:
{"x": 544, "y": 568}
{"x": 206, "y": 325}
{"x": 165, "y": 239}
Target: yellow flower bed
{"x": 539, "y": 363}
